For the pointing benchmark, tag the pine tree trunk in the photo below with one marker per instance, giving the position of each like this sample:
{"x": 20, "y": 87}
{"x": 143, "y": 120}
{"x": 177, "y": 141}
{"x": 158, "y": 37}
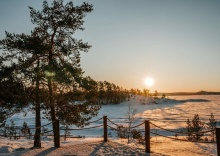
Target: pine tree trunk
{"x": 53, "y": 114}
{"x": 37, "y": 139}
{"x": 51, "y": 101}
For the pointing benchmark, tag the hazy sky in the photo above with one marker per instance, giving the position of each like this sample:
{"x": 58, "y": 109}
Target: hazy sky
{"x": 176, "y": 42}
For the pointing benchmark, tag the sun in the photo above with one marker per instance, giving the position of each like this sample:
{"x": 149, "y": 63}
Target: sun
{"x": 149, "y": 81}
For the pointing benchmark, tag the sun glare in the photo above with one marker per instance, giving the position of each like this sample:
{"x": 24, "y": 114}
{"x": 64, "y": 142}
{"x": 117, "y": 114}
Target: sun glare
{"x": 149, "y": 81}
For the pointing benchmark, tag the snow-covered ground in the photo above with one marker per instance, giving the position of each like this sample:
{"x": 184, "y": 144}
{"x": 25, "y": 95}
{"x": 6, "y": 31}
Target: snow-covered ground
{"x": 169, "y": 114}
{"x": 96, "y": 147}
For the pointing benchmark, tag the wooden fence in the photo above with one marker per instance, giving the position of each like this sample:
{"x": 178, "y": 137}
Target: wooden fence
{"x": 146, "y": 131}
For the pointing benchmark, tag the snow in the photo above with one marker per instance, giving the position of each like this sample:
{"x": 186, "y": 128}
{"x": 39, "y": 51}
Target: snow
{"x": 169, "y": 114}
{"x": 159, "y": 146}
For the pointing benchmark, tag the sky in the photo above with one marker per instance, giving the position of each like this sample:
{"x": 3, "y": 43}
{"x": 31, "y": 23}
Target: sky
{"x": 175, "y": 42}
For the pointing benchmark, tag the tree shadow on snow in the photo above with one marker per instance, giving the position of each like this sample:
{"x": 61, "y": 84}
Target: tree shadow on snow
{"x": 47, "y": 151}
{"x": 97, "y": 148}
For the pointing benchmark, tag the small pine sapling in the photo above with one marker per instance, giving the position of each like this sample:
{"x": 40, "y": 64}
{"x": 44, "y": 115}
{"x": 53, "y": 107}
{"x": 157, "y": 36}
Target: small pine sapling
{"x": 189, "y": 129}
{"x": 12, "y": 130}
{"x": 25, "y": 130}
{"x": 66, "y": 131}
{"x": 212, "y": 125}
{"x": 194, "y": 128}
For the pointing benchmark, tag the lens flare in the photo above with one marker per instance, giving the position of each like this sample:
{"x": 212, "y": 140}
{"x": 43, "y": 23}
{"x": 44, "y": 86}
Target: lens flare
{"x": 149, "y": 81}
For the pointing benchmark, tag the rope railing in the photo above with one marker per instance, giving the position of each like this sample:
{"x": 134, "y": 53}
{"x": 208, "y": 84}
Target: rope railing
{"x": 112, "y": 122}
{"x": 142, "y": 131}
{"x": 19, "y": 127}
{"x": 49, "y": 123}
{"x": 13, "y": 134}
{"x": 152, "y": 119}
{"x": 16, "y": 136}
{"x": 42, "y": 133}
{"x": 180, "y": 139}
{"x": 44, "y": 125}
{"x": 129, "y": 122}
{"x": 55, "y": 121}
{"x": 138, "y": 125}
{"x": 130, "y": 129}
{"x": 94, "y": 121}
{"x": 112, "y": 127}
{"x": 201, "y": 132}
{"x": 29, "y": 135}
{"x": 81, "y": 128}
{"x": 46, "y": 132}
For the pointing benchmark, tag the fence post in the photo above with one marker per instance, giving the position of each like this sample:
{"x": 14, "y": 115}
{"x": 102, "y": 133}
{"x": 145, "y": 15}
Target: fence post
{"x": 57, "y": 131}
{"x": 217, "y": 132}
{"x": 147, "y": 136}
{"x": 105, "y": 128}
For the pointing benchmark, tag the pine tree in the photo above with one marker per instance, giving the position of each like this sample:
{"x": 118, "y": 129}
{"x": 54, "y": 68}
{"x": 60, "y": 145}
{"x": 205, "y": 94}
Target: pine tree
{"x": 25, "y": 129}
{"x": 189, "y": 129}
{"x": 12, "y": 92}
{"x": 26, "y": 51}
{"x": 57, "y": 23}
{"x": 12, "y": 130}
{"x": 54, "y": 62}
{"x": 195, "y": 126}
{"x": 212, "y": 126}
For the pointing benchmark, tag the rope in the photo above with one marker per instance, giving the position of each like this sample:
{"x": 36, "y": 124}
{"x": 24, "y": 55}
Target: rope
{"x": 112, "y": 122}
{"x": 118, "y": 118}
{"x": 130, "y": 121}
{"x": 43, "y": 125}
{"x": 46, "y": 131}
{"x": 83, "y": 128}
{"x": 180, "y": 139}
{"x": 182, "y": 132}
{"x": 48, "y": 123}
{"x": 15, "y": 128}
{"x": 71, "y": 136}
{"x": 55, "y": 120}
{"x": 24, "y": 135}
{"x": 19, "y": 127}
{"x": 17, "y": 136}
{"x": 93, "y": 121}
{"x": 112, "y": 127}
{"x": 138, "y": 125}
{"x": 142, "y": 131}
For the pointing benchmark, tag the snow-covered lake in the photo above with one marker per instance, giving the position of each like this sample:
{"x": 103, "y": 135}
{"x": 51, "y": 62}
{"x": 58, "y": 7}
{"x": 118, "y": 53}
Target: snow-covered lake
{"x": 171, "y": 114}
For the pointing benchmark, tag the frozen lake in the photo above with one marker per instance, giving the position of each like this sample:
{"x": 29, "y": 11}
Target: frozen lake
{"x": 171, "y": 114}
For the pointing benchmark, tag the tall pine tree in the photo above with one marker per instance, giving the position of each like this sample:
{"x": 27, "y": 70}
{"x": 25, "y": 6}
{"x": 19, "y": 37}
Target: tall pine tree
{"x": 50, "y": 57}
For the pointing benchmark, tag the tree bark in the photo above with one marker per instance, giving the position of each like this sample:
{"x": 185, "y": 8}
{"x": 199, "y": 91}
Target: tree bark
{"x": 37, "y": 139}
{"x": 51, "y": 102}
{"x": 52, "y": 111}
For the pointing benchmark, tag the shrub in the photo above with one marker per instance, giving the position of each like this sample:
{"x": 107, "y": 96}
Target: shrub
{"x": 194, "y": 127}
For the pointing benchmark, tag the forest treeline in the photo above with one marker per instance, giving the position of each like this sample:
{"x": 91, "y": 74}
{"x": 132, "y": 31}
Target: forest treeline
{"x": 192, "y": 93}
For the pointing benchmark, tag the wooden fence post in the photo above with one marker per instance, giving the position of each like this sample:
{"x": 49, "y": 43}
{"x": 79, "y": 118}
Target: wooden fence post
{"x": 217, "y": 132}
{"x": 147, "y": 136}
{"x": 57, "y": 131}
{"x": 105, "y": 128}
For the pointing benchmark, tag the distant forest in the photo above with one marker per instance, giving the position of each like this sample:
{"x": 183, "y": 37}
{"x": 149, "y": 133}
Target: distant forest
{"x": 191, "y": 93}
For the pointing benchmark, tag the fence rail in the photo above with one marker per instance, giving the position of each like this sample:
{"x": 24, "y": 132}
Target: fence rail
{"x": 82, "y": 128}
{"x": 147, "y": 131}
{"x": 201, "y": 132}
